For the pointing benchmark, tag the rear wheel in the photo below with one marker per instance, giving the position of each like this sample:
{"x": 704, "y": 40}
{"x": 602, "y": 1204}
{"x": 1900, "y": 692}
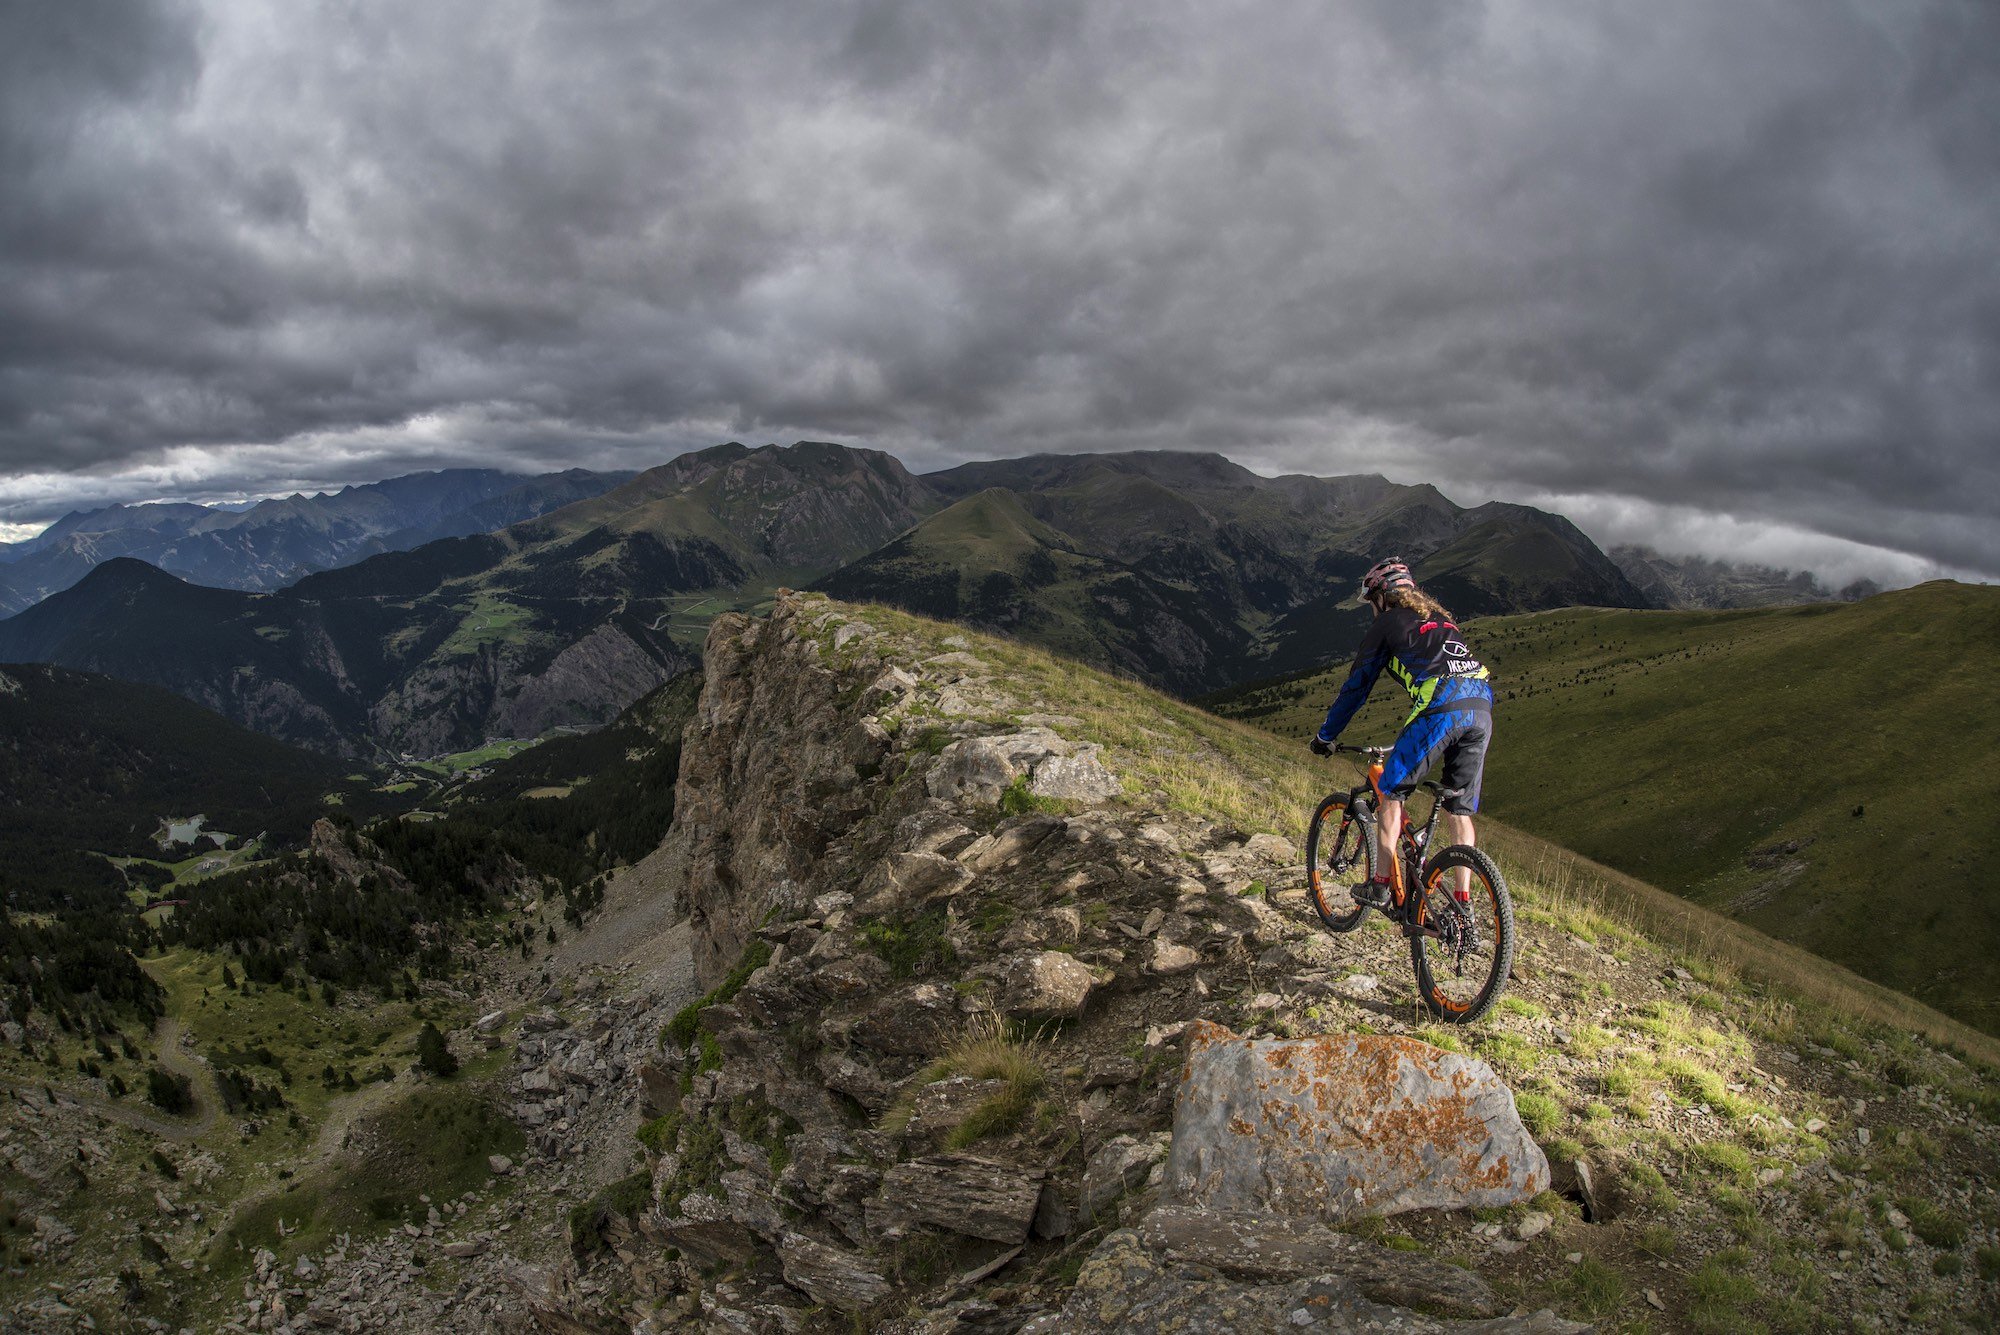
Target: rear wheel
{"x": 1340, "y": 850}
{"x": 1467, "y": 947}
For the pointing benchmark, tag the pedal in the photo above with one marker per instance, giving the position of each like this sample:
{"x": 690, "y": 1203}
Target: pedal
{"x": 1370, "y": 895}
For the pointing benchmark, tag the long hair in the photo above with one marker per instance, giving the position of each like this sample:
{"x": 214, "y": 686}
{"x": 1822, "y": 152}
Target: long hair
{"x": 1416, "y": 600}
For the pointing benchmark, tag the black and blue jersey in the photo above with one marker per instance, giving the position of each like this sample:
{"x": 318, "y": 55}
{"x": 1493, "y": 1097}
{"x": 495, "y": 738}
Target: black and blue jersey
{"x": 1429, "y": 657}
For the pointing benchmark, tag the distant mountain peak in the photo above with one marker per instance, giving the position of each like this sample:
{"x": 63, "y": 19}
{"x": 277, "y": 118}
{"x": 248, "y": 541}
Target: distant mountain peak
{"x": 124, "y": 571}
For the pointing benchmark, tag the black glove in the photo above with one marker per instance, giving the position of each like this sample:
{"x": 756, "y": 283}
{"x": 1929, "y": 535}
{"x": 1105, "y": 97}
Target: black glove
{"x": 1321, "y": 747}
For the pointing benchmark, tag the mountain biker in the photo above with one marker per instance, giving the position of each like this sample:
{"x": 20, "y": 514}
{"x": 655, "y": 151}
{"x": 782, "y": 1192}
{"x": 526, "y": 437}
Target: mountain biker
{"x": 1415, "y": 639}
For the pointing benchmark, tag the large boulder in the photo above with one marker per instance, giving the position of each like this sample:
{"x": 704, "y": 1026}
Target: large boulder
{"x": 828, "y": 1275}
{"x": 1120, "y": 1165}
{"x": 978, "y": 770}
{"x": 1078, "y": 778}
{"x": 1342, "y": 1125}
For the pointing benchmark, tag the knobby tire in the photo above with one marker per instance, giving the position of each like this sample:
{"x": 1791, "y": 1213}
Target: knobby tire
{"x": 1445, "y": 993}
{"x": 1336, "y": 835}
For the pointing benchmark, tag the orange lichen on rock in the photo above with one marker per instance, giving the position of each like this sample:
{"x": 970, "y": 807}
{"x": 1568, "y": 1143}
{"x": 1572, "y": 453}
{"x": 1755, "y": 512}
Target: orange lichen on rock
{"x": 1341, "y": 1124}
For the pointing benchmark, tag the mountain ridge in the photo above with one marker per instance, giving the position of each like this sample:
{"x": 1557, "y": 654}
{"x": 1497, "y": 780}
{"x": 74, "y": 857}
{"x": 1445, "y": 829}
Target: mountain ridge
{"x": 1184, "y": 569}
{"x": 268, "y": 545}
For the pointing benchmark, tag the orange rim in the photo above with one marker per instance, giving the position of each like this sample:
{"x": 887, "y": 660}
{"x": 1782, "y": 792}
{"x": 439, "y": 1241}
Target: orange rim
{"x": 1313, "y": 880}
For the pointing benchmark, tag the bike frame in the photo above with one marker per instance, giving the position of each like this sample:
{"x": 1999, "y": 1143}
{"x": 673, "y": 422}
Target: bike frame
{"x": 1420, "y": 868}
{"x": 1410, "y": 844}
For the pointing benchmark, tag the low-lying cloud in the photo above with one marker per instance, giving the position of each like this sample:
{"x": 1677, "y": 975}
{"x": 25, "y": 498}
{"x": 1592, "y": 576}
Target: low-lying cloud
{"x": 1705, "y": 259}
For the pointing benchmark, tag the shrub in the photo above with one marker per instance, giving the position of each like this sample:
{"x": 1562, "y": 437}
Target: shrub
{"x": 680, "y": 1031}
{"x": 170, "y": 1093}
{"x": 434, "y": 1054}
{"x": 1932, "y": 1223}
{"x": 1018, "y": 801}
{"x": 912, "y": 945}
{"x": 587, "y": 1222}
{"x": 660, "y": 1134}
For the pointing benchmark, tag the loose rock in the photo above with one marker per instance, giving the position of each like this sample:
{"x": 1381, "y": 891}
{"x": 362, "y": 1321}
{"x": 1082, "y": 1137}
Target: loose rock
{"x": 1339, "y": 1125}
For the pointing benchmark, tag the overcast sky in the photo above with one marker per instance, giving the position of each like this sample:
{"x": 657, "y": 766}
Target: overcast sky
{"x": 1717, "y": 273}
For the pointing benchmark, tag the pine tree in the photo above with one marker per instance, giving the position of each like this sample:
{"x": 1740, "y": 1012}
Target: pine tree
{"x": 433, "y": 1053}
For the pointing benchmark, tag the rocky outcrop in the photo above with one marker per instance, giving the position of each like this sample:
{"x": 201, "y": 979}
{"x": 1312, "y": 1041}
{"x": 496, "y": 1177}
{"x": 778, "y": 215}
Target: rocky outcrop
{"x": 1345, "y": 1124}
{"x": 954, "y": 964}
{"x": 771, "y": 774}
{"x": 980, "y": 769}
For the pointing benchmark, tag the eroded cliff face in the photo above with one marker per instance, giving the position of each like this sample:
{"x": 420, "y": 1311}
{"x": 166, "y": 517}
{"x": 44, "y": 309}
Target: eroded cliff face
{"x": 950, "y": 961}
{"x": 771, "y": 776}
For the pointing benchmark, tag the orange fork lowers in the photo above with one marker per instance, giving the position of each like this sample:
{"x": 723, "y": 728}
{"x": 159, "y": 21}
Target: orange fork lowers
{"x": 1388, "y": 855}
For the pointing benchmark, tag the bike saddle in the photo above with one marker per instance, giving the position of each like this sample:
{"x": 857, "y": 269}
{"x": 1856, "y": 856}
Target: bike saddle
{"x": 1442, "y": 793}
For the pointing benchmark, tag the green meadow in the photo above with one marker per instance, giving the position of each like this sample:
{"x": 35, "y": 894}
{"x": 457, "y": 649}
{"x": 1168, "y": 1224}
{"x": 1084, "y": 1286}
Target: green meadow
{"x": 1818, "y": 772}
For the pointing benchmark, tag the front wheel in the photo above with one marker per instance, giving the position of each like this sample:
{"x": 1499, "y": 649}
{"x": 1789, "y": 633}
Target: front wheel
{"x": 1466, "y": 948}
{"x": 1340, "y": 850}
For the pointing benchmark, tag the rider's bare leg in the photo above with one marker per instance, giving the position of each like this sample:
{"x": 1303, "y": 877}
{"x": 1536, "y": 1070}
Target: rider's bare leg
{"x": 1388, "y": 828}
{"x": 1460, "y": 829}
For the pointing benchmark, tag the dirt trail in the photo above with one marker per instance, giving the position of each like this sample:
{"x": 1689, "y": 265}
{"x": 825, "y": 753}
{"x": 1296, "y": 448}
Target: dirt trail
{"x": 167, "y": 1042}
{"x": 330, "y": 1141}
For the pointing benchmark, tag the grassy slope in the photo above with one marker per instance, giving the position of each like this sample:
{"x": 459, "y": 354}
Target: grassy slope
{"x": 1688, "y": 748}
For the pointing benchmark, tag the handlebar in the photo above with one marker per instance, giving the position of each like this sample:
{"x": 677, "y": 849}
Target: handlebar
{"x": 1378, "y": 752}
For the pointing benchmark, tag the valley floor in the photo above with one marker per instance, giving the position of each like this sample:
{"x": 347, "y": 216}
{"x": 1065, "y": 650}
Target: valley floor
{"x": 261, "y": 1222}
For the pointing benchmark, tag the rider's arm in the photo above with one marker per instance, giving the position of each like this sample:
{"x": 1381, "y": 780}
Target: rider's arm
{"x": 1368, "y": 665}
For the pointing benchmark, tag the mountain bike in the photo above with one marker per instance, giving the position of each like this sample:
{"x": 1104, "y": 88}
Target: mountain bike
{"x": 1461, "y": 949}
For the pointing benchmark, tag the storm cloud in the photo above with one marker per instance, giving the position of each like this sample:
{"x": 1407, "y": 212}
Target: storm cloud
{"x": 1699, "y": 270}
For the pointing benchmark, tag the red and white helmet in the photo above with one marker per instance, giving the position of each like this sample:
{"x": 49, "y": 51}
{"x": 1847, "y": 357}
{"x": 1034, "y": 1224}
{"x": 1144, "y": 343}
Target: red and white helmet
{"x": 1386, "y": 575}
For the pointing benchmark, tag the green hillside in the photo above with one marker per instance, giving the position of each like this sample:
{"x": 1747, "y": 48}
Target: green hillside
{"x": 988, "y": 562}
{"x": 1817, "y": 772}
{"x": 1190, "y": 572}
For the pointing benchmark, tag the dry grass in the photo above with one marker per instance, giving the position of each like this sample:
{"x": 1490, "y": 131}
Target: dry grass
{"x": 984, "y": 1052}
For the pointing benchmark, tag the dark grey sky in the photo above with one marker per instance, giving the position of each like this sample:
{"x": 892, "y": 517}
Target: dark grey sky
{"x": 1721, "y": 274}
